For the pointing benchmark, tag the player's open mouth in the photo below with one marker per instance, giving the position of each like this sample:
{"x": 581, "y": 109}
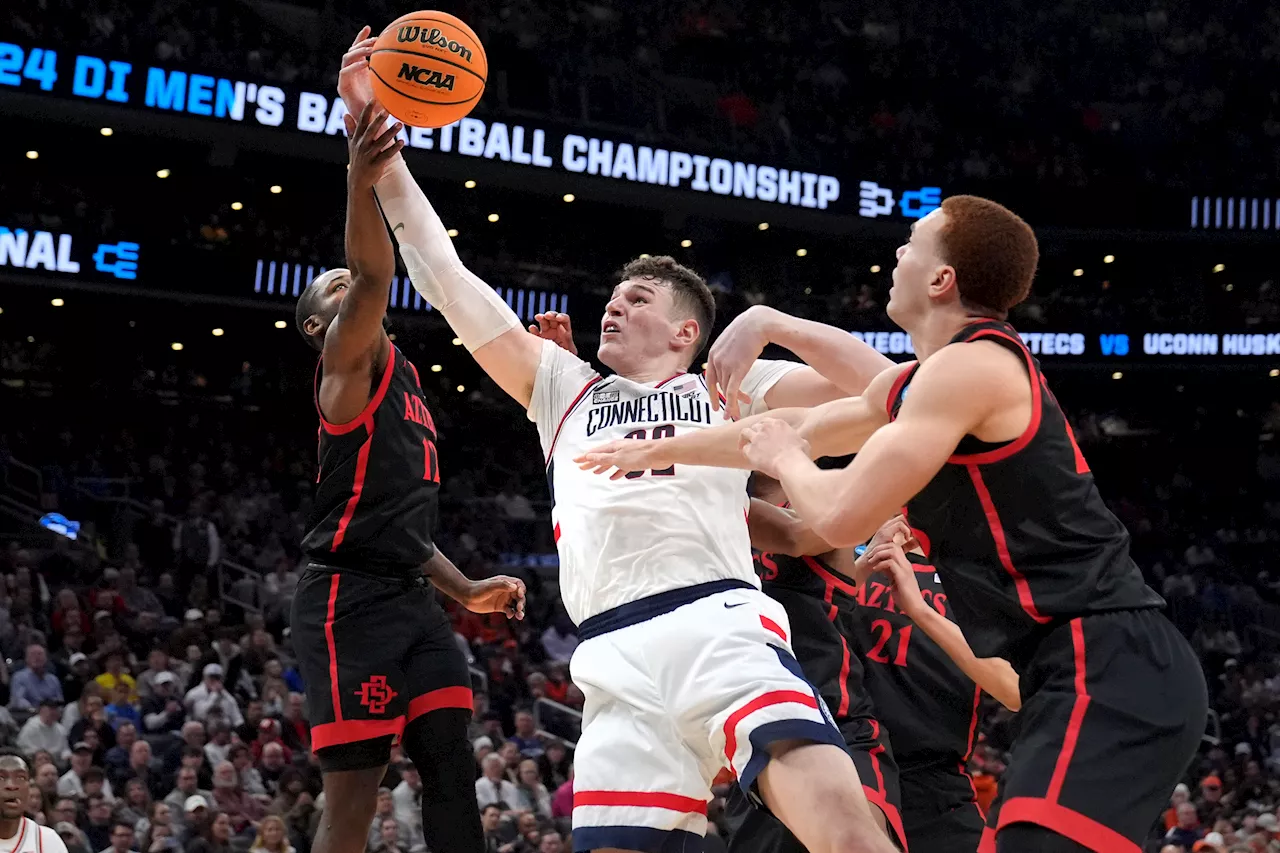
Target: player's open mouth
{"x": 610, "y": 329}
{"x": 11, "y": 801}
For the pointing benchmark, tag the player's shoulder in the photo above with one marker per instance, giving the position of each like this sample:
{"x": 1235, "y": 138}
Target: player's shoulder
{"x": 968, "y": 367}
{"x": 45, "y": 839}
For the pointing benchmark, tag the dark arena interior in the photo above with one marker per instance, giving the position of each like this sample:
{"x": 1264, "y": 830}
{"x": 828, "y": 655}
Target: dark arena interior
{"x": 173, "y": 175}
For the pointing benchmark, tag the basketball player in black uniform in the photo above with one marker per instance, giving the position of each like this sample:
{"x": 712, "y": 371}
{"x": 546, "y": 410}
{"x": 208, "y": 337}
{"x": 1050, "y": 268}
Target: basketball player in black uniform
{"x": 375, "y": 648}
{"x": 819, "y": 600}
{"x": 1038, "y": 572}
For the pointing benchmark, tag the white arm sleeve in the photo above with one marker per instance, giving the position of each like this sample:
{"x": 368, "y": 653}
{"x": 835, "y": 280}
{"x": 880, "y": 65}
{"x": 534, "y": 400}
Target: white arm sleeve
{"x": 476, "y": 313}
{"x": 762, "y": 376}
{"x": 561, "y": 377}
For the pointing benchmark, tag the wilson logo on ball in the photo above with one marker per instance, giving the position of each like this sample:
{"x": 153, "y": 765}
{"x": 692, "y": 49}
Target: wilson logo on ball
{"x": 433, "y": 37}
{"x": 426, "y": 76}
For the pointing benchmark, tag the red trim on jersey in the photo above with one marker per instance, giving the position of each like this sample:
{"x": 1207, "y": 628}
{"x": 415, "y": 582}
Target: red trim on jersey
{"x": 669, "y": 379}
{"x": 1032, "y": 426}
{"x": 1066, "y": 822}
{"x": 923, "y": 538}
{"x": 987, "y": 844}
{"x": 569, "y": 411}
{"x": 770, "y": 625}
{"x": 844, "y": 676}
{"x": 829, "y": 578}
{"x": 1002, "y": 547}
{"x": 22, "y": 833}
{"x": 365, "y": 416}
{"x": 445, "y": 697}
{"x": 39, "y": 840}
{"x": 641, "y": 799}
{"x": 1082, "y": 465}
{"x": 776, "y": 697}
{"x": 357, "y": 487}
{"x": 968, "y": 750}
{"x": 878, "y": 796}
{"x": 335, "y": 695}
{"x": 896, "y": 388}
{"x": 556, "y": 532}
{"x": 416, "y": 380}
{"x": 923, "y": 570}
{"x": 1078, "y": 709}
{"x": 350, "y": 731}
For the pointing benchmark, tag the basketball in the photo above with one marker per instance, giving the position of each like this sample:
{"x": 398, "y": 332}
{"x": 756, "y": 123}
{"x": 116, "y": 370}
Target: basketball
{"x": 428, "y": 68}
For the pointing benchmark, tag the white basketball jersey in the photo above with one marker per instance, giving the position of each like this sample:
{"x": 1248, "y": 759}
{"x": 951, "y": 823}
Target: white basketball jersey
{"x": 33, "y": 838}
{"x": 622, "y": 540}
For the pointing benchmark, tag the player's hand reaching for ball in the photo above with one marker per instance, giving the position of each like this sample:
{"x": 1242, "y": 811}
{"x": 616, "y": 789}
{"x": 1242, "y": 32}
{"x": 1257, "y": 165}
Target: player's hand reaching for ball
{"x": 554, "y": 326}
{"x": 624, "y": 456}
{"x": 353, "y": 77}
{"x": 766, "y": 443}
{"x": 499, "y": 594}
{"x": 372, "y": 145}
{"x": 890, "y": 560}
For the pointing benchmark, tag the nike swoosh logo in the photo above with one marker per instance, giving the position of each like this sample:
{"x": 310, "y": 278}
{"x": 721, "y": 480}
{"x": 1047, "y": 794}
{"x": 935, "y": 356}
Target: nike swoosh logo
{"x": 399, "y": 225}
{"x": 728, "y": 606}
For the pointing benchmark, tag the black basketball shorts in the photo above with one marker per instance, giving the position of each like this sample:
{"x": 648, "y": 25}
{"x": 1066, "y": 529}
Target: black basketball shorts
{"x": 375, "y": 654}
{"x": 1115, "y": 711}
{"x": 754, "y": 830}
{"x": 939, "y": 810}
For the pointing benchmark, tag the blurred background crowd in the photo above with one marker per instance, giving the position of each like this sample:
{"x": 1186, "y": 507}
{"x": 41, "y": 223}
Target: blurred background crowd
{"x": 146, "y": 665}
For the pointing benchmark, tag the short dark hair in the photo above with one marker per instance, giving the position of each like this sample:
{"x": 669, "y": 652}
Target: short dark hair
{"x": 304, "y": 309}
{"x": 688, "y": 290}
{"x": 120, "y": 824}
{"x": 993, "y": 251}
{"x": 94, "y": 774}
{"x": 490, "y": 806}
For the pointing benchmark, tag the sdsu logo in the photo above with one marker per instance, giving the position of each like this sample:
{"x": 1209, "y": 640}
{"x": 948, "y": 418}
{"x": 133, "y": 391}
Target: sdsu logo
{"x": 375, "y": 694}
{"x": 426, "y": 77}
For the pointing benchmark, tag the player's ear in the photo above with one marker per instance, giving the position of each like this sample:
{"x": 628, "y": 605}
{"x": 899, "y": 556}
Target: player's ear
{"x": 944, "y": 282}
{"x": 687, "y": 332}
{"x": 312, "y": 324}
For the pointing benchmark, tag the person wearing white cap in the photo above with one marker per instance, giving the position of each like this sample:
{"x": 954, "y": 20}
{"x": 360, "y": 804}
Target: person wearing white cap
{"x": 211, "y": 693}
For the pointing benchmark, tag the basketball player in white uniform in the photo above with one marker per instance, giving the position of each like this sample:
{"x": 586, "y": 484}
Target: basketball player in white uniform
{"x": 685, "y": 664}
{"x": 18, "y": 833}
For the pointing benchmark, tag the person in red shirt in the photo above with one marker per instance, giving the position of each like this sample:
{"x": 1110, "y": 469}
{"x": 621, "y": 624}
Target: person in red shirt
{"x": 269, "y": 732}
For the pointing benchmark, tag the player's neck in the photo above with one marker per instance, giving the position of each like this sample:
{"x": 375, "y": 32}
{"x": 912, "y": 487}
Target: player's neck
{"x": 9, "y": 829}
{"x": 651, "y": 374}
{"x": 936, "y": 329}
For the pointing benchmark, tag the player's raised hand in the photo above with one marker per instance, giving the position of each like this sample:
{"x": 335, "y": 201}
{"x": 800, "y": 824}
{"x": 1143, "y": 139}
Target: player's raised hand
{"x": 624, "y": 456}
{"x": 499, "y": 594}
{"x": 554, "y": 326}
{"x": 732, "y": 355}
{"x": 353, "y": 76}
{"x": 890, "y": 560}
{"x": 897, "y": 531}
{"x": 371, "y": 144}
{"x": 767, "y": 442}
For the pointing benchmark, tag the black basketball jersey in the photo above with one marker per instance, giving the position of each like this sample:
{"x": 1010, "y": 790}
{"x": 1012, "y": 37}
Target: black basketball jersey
{"x": 928, "y": 706}
{"x": 819, "y": 603}
{"x": 375, "y": 502}
{"x": 1018, "y": 530}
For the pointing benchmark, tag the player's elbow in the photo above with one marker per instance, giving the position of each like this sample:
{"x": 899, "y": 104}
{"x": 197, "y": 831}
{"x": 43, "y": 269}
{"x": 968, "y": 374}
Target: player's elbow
{"x": 834, "y": 528}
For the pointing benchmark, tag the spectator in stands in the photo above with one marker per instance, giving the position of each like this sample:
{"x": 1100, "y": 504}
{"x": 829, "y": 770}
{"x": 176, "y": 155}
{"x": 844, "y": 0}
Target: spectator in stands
{"x": 117, "y": 757}
{"x": 490, "y": 820}
{"x": 219, "y": 745}
{"x": 159, "y": 815}
{"x": 215, "y": 838}
{"x": 1209, "y": 806}
{"x": 272, "y": 837}
{"x": 559, "y": 640}
{"x": 295, "y": 730}
{"x": 408, "y": 799}
{"x": 273, "y": 765}
{"x": 95, "y": 721}
{"x": 163, "y": 713}
{"x": 385, "y": 810}
{"x": 1188, "y": 830}
{"x": 64, "y": 809}
{"x": 137, "y": 599}
{"x": 141, "y": 768}
{"x": 269, "y": 732}
{"x": 195, "y": 540}
{"x": 388, "y": 838}
{"x": 135, "y": 805}
{"x": 72, "y": 783}
{"x": 551, "y": 842}
{"x": 97, "y": 826}
{"x": 34, "y": 683}
{"x": 250, "y": 779}
{"x": 562, "y": 801}
{"x": 78, "y": 670}
{"x": 157, "y": 663}
{"x": 185, "y": 793}
{"x": 114, "y": 674}
{"x": 493, "y": 786}
{"x": 123, "y": 708}
{"x": 231, "y": 799}
{"x": 43, "y": 731}
{"x": 526, "y": 738}
{"x": 45, "y": 780}
{"x": 531, "y": 794}
{"x": 211, "y": 693}
{"x": 511, "y": 759}
{"x": 555, "y": 764}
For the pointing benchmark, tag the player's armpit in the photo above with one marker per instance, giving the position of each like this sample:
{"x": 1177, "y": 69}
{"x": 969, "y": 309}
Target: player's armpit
{"x": 776, "y": 530}
{"x": 511, "y": 360}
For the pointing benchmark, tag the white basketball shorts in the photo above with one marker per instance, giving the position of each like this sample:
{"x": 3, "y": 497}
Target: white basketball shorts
{"x": 678, "y": 686}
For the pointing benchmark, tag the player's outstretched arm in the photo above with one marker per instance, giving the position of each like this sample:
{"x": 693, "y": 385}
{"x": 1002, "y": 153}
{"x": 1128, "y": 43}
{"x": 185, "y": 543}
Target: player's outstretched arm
{"x": 776, "y": 530}
{"x": 500, "y": 594}
{"x": 356, "y": 341}
{"x": 993, "y": 675}
{"x": 840, "y": 365}
{"x": 837, "y": 428}
{"x": 950, "y": 396}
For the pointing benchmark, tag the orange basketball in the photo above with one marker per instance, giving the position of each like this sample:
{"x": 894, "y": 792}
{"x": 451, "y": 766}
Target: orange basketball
{"x": 429, "y": 69}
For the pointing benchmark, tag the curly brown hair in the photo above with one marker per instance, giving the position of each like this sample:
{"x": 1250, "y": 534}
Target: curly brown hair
{"x": 688, "y": 290}
{"x": 993, "y": 251}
